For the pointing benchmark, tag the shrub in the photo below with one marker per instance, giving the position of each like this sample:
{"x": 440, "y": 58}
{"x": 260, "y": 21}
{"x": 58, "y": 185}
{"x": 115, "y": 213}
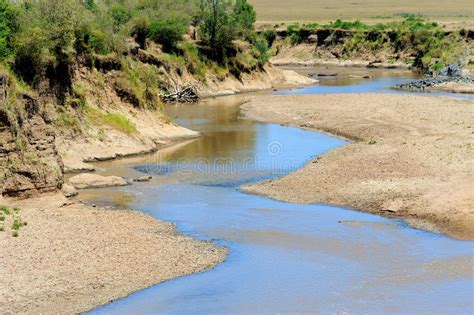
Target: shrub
{"x": 347, "y": 25}
{"x": 292, "y": 28}
{"x": 5, "y": 210}
{"x": 270, "y": 36}
{"x": 261, "y": 51}
{"x": 167, "y": 33}
{"x": 195, "y": 62}
{"x": 295, "y": 38}
{"x": 8, "y": 19}
{"x": 17, "y": 224}
{"x": 120, "y": 16}
{"x": 32, "y": 54}
{"x": 140, "y": 30}
{"x": 98, "y": 42}
{"x": 90, "y": 5}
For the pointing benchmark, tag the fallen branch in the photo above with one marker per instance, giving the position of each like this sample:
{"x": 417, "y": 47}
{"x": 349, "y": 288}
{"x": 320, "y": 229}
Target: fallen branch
{"x": 186, "y": 94}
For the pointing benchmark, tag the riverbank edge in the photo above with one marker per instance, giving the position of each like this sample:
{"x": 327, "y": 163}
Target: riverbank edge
{"x": 423, "y": 221}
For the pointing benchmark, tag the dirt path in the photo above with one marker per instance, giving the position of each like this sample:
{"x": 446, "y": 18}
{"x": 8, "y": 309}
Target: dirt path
{"x": 71, "y": 257}
{"x": 409, "y": 156}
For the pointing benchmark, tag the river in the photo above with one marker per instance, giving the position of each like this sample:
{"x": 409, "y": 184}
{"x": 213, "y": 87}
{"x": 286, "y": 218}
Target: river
{"x": 283, "y": 258}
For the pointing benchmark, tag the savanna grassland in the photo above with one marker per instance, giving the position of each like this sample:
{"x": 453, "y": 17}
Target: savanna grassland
{"x": 459, "y": 13}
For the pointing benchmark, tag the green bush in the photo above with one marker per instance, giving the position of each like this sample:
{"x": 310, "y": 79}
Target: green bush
{"x": 8, "y": 19}
{"x": 32, "y": 54}
{"x": 167, "y": 33}
{"x": 295, "y": 38}
{"x": 120, "y": 15}
{"x": 270, "y": 36}
{"x": 195, "y": 63}
{"x": 140, "y": 30}
{"x": 347, "y": 25}
{"x": 98, "y": 42}
{"x": 261, "y": 51}
{"x": 90, "y": 5}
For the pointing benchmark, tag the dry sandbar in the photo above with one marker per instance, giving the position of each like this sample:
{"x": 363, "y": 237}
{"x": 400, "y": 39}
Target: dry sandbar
{"x": 408, "y": 156}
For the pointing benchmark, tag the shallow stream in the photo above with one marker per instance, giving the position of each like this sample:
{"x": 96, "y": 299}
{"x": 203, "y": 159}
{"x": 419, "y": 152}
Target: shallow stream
{"x": 283, "y": 258}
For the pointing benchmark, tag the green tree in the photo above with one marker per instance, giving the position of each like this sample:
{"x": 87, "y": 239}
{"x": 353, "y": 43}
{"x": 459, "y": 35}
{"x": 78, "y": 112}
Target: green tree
{"x": 245, "y": 17}
{"x": 222, "y": 21}
{"x": 216, "y": 26}
{"x": 167, "y": 32}
{"x": 8, "y": 25}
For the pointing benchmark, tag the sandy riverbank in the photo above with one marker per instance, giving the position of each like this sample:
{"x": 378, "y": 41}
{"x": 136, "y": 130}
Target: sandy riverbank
{"x": 455, "y": 87}
{"x": 71, "y": 257}
{"x": 409, "y": 156}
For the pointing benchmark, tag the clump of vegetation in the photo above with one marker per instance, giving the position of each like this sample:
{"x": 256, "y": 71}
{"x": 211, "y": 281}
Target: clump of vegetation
{"x": 12, "y": 216}
{"x": 270, "y": 36}
{"x": 167, "y": 32}
{"x": 347, "y": 25}
{"x": 222, "y": 22}
{"x": 115, "y": 120}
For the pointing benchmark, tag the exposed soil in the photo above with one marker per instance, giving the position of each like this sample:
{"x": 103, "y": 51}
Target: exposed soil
{"x": 409, "y": 157}
{"x": 312, "y": 55}
{"x": 71, "y": 257}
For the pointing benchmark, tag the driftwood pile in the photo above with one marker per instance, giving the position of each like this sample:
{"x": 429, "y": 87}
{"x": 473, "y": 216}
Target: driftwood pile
{"x": 187, "y": 94}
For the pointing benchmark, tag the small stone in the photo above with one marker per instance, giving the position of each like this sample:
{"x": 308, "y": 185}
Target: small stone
{"x": 69, "y": 191}
{"x": 84, "y": 181}
{"x": 142, "y": 179}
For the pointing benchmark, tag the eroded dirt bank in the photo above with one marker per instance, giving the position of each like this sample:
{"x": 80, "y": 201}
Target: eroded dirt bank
{"x": 409, "y": 156}
{"x": 71, "y": 257}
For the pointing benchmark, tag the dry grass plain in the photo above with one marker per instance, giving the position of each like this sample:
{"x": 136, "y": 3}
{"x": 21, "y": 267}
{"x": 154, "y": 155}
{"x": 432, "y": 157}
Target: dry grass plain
{"x": 458, "y": 13}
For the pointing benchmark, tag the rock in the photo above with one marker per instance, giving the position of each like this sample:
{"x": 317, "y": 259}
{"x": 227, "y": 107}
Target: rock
{"x": 359, "y": 76}
{"x": 142, "y": 179}
{"x": 426, "y": 83}
{"x": 313, "y": 39}
{"x": 69, "y": 191}
{"x": 84, "y": 181}
{"x": 77, "y": 166}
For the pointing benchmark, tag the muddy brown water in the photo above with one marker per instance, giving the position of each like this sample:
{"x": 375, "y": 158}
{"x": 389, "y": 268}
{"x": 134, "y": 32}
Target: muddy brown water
{"x": 283, "y": 258}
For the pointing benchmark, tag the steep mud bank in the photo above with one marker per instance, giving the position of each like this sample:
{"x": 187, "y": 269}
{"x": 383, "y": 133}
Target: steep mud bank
{"x": 29, "y": 160}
